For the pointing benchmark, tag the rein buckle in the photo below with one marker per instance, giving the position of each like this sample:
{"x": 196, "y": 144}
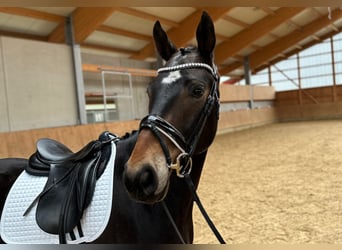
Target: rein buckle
{"x": 183, "y": 165}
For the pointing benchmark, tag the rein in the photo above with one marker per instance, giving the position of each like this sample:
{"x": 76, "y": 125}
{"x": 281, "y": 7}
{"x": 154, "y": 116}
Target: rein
{"x": 187, "y": 146}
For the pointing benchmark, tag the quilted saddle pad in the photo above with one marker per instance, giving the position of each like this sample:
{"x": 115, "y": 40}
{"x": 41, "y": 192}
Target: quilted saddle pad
{"x": 18, "y": 229}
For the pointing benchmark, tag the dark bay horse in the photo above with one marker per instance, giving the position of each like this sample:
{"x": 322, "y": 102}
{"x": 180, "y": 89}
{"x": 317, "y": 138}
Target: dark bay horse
{"x": 181, "y": 125}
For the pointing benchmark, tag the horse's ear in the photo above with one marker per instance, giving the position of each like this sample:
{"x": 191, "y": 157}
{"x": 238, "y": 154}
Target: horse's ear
{"x": 164, "y": 46}
{"x": 205, "y": 35}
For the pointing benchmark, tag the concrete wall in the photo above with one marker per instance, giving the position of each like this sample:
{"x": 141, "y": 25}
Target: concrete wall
{"x": 119, "y": 84}
{"x": 37, "y": 88}
{"x": 22, "y": 143}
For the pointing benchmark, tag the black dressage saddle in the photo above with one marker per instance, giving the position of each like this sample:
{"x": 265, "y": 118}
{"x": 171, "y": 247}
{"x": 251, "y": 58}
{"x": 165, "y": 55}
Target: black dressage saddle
{"x": 71, "y": 182}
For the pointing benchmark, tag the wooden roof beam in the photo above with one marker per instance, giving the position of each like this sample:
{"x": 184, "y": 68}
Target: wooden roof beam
{"x": 185, "y": 32}
{"x": 271, "y": 12}
{"x": 316, "y": 38}
{"x": 85, "y": 21}
{"x": 121, "y": 32}
{"x": 333, "y": 27}
{"x": 261, "y": 56}
{"x": 222, "y": 37}
{"x": 274, "y": 36}
{"x": 33, "y": 14}
{"x": 299, "y": 48}
{"x": 233, "y": 66}
{"x": 108, "y": 48}
{"x": 313, "y": 9}
{"x": 248, "y": 36}
{"x": 267, "y": 10}
{"x": 292, "y": 23}
{"x": 235, "y": 21}
{"x": 146, "y": 16}
{"x": 22, "y": 35}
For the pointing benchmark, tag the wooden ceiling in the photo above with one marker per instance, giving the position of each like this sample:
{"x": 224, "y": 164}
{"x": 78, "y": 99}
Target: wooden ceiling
{"x": 265, "y": 34}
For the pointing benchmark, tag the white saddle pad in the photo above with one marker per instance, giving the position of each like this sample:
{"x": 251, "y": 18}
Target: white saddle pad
{"x": 17, "y": 229}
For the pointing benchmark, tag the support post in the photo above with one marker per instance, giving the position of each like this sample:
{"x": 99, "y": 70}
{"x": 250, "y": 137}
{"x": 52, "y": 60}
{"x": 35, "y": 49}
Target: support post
{"x": 300, "y": 92}
{"x": 247, "y": 72}
{"x": 78, "y": 73}
{"x": 334, "y": 92}
{"x": 269, "y": 76}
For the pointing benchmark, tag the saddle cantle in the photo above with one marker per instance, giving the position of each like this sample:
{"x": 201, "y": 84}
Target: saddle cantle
{"x": 70, "y": 184}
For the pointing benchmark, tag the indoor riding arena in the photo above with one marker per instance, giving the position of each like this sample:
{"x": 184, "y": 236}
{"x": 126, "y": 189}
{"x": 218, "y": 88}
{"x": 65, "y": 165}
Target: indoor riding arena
{"x": 273, "y": 173}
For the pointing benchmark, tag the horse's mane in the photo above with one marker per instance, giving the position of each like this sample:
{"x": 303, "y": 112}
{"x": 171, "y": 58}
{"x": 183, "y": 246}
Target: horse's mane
{"x": 128, "y": 134}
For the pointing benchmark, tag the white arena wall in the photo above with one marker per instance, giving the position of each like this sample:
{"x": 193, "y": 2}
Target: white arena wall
{"x": 37, "y": 86}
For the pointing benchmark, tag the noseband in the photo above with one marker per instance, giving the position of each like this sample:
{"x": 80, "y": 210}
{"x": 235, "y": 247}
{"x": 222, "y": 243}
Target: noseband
{"x": 187, "y": 146}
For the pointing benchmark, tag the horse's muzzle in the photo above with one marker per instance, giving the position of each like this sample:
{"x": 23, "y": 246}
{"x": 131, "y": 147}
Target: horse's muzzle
{"x": 142, "y": 184}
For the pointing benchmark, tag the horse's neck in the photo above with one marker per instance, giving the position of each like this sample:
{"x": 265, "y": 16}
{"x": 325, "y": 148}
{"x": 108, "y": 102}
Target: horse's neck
{"x": 198, "y": 162}
{"x": 124, "y": 149}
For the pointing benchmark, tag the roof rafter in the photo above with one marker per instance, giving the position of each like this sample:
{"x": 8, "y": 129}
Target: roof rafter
{"x": 298, "y": 49}
{"x": 121, "y": 32}
{"x": 263, "y": 56}
{"x": 248, "y": 36}
{"x": 22, "y": 35}
{"x": 144, "y": 15}
{"x": 108, "y": 48}
{"x": 272, "y": 12}
{"x": 267, "y": 10}
{"x": 33, "y": 14}
{"x": 85, "y": 21}
{"x": 185, "y": 32}
{"x": 235, "y": 21}
{"x": 313, "y": 9}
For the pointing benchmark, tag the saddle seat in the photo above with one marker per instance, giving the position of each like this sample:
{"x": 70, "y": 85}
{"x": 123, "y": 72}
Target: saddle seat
{"x": 70, "y": 184}
{"x": 52, "y": 151}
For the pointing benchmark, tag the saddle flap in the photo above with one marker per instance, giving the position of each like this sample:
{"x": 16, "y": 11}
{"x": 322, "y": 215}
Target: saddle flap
{"x": 67, "y": 193}
{"x": 50, "y": 204}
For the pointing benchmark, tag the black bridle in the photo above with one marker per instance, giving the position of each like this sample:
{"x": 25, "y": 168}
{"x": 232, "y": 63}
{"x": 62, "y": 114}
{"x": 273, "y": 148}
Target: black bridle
{"x": 187, "y": 146}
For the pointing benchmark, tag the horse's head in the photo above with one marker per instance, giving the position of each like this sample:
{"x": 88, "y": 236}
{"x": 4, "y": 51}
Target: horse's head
{"x": 183, "y": 114}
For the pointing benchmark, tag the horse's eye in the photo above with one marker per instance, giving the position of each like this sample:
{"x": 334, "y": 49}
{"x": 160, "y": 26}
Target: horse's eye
{"x": 198, "y": 91}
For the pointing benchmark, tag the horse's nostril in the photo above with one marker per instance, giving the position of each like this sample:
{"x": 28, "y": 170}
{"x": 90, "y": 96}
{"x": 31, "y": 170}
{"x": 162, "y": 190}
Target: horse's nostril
{"x": 143, "y": 184}
{"x": 148, "y": 180}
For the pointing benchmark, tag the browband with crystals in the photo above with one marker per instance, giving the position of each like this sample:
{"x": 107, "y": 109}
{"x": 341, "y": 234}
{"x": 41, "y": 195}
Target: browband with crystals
{"x": 189, "y": 66}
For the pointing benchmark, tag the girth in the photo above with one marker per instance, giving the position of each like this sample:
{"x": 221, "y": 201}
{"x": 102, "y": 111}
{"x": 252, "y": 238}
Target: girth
{"x": 71, "y": 182}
